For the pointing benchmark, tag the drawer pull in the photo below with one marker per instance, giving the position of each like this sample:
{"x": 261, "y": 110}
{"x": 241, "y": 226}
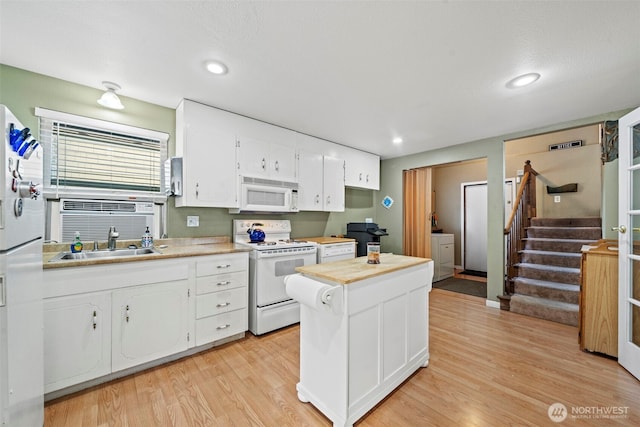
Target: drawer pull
{"x": 224, "y": 266}
{"x": 224, "y": 326}
{"x": 225, "y": 283}
{"x": 224, "y": 304}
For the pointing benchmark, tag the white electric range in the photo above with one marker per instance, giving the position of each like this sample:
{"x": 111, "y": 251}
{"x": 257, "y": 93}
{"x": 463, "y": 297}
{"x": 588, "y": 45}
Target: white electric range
{"x": 270, "y": 261}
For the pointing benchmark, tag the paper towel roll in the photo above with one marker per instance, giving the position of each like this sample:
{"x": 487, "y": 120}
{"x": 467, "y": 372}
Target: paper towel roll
{"x": 308, "y": 291}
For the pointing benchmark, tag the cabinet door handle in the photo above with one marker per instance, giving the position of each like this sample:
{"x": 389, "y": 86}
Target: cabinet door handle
{"x": 317, "y": 199}
{"x": 360, "y": 177}
{"x": 225, "y": 283}
{"x": 197, "y": 189}
{"x": 622, "y": 229}
{"x": 126, "y": 313}
{"x": 329, "y": 200}
{"x": 95, "y": 319}
{"x": 367, "y": 177}
{"x": 223, "y": 304}
{"x": 223, "y": 326}
{"x": 224, "y": 266}
{"x": 277, "y": 166}
{"x": 264, "y": 164}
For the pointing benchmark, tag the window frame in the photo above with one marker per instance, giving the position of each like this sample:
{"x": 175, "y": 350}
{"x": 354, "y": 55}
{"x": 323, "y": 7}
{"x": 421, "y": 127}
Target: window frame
{"x": 55, "y": 192}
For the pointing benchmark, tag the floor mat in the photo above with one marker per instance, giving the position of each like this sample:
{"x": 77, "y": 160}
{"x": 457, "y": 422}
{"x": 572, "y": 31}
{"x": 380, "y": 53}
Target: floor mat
{"x": 463, "y": 286}
{"x": 474, "y": 273}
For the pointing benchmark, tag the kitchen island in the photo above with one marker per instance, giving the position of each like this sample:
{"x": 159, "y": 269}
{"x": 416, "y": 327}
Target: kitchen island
{"x": 363, "y": 331}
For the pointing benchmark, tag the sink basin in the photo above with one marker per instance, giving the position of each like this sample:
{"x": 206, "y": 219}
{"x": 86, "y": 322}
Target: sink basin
{"x": 103, "y": 254}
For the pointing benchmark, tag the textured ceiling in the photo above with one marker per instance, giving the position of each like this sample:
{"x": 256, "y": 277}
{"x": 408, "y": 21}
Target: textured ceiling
{"x": 354, "y": 72}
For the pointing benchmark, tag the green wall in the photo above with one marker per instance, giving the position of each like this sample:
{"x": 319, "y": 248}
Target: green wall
{"x": 22, "y": 91}
{"x": 493, "y": 150}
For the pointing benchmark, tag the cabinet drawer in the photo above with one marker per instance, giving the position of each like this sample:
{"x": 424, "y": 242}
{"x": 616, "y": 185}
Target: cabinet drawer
{"x": 446, "y": 254}
{"x": 220, "y": 302}
{"x": 221, "y": 264}
{"x": 221, "y": 282}
{"x": 214, "y": 328}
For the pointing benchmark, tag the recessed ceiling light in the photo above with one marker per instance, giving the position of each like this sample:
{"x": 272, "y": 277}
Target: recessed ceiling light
{"x": 397, "y": 140}
{"x": 216, "y": 67}
{"x": 523, "y": 80}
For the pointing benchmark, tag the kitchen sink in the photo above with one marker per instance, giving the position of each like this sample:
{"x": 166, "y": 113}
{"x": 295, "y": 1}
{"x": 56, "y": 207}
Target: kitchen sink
{"x": 103, "y": 254}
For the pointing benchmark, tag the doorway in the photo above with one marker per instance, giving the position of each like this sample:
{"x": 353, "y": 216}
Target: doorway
{"x": 474, "y": 235}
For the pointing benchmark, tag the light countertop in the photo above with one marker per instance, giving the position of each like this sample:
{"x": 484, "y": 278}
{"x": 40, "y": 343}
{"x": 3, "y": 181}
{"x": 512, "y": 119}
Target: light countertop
{"x": 175, "y": 248}
{"x": 353, "y": 270}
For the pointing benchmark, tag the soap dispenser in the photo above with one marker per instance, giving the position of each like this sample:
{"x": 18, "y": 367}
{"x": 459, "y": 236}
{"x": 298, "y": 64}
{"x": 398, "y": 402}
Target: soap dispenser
{"x": 76, "y": 246}
{"x": 147, "y": 239}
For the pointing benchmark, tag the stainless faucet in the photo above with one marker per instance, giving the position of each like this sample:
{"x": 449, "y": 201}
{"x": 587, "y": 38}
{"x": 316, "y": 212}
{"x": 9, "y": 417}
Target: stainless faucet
{"x": 111, "y": 238}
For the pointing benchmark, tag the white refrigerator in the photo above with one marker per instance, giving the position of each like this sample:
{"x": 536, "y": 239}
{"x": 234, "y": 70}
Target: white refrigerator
{"x": 21, "y": 316}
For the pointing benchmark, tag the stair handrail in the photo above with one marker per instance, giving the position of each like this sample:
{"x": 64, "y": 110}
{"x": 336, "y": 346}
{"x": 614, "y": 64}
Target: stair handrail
{"x": 524, "y": 208}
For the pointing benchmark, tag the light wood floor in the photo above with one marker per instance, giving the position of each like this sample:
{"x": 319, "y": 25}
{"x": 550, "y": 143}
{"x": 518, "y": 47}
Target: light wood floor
{"x": 487, "y": 368}
{"x": 457, "y": 273}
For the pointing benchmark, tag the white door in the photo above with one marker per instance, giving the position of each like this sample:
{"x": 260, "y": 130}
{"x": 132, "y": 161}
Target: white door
{"x": 475, "y": 227}
{"x": 629, "y": 258}
{"x": 474, "y": 221}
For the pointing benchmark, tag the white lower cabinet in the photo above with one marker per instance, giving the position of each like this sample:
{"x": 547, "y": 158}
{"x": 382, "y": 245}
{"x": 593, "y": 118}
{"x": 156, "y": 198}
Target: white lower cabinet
{"x": 442, "y": 254}
{"x": 77, "y": 339}
{"x": 149, "y": 322}
{"x": 221, "y": 297}
{"x": 103, "y": 319}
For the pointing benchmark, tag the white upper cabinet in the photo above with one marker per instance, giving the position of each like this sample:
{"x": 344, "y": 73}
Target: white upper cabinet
{"x": 321, "y": 178}
{"x": 310, "y": 182}
{"x": 362, "y": 169}
{"x": 266, "y": 151}
{"x": 333, "y": 184}
{"x": 206, "y": 141}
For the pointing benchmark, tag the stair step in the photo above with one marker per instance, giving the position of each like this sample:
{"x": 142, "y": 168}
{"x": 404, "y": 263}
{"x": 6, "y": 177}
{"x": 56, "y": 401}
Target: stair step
{"x": 560, "y": 259}
{"x": 565, "y": 232}
{"x": 557, "y": 245}
{"x": 549, "y": 273}
{"x": 543, "y": 308}
{"x": 567, "y": 222}
{"x": 565, "y": 292}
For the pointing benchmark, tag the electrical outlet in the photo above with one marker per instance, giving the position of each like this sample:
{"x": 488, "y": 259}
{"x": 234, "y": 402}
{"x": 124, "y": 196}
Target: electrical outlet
{"x": 556, "y": 199}
{"x": 193, "y": 221}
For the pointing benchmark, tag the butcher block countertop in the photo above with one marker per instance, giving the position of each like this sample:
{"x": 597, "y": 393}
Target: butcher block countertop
{"x": 353, "y": 270}
{"x": 327, "y": 240}
{"x": 175, "y": 248}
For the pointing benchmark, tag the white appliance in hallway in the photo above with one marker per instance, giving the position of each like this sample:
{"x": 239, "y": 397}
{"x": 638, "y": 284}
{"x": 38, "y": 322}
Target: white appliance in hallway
{"x": 21, "y": 315}
{"x": 274, "y": 256}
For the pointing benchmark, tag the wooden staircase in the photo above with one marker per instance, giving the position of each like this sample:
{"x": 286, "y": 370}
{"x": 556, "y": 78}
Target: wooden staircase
{"x": 547, "y": 280}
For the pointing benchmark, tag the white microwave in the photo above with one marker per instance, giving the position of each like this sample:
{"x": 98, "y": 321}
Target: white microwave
{"x": 265, "y": 195}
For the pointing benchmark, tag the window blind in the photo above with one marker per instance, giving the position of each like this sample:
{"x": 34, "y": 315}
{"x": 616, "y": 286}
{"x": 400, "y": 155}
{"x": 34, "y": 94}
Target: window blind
{"x": 86, "y": 157}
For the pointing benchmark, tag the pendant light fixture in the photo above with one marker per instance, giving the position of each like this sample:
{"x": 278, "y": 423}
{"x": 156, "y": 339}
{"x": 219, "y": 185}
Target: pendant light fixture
{"x": 109, "y": 98}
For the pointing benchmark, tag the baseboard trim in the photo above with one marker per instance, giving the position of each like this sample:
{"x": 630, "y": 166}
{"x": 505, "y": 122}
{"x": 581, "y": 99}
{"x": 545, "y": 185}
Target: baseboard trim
{"x": 492, "y": 304}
